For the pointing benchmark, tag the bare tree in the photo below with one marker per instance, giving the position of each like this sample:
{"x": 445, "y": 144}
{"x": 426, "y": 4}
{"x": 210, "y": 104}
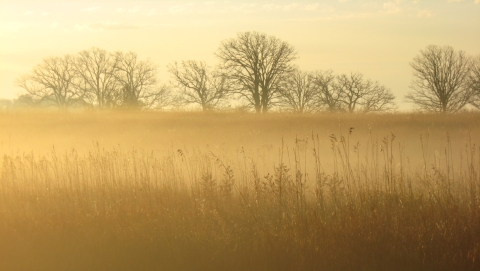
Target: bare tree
{"x": 358, "y": 94}
{"x": 256, "y": 63}
{"x": 298, "y": 92}
{"x": 474, "y": 82}
{"x": 98, "y": 72}
{"x": 53, "y": 81}
{"x": 138, "y": 80}
{"x": 378, "y": 98}
{"x": 440, "y": 76}
{"x": 328, "y": 97}
{"x": 351, "y": 89}
{"x": 198, "y": 84}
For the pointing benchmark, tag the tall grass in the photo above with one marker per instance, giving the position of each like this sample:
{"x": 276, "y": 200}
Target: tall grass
{"x": 365, "y": 208}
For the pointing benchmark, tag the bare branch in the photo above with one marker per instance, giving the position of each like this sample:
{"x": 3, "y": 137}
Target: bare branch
{"x": 474, "y": 82}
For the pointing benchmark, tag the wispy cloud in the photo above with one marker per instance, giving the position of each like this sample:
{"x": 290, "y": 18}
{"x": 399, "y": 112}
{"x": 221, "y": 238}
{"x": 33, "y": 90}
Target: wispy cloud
{"x": 392, "y": 7}
{"x": 151, "y": 12}
{"x": 11, "y": 27}
{"x": 290, "y": 7}
{"x": 90, "y": 9}
{"x": 293, "y": 6}
{"x": 6, "y": 28}
{"x": 105, "y": 25}
{"x": 30, "y": 13}
{"x": 182, "y": 9}
{"x": 425, "y": 13}
{"x": 54, "y": 25}
{"x": 132, "y": 10}
{"x": 311, "y": 7}
{"x": 247, "y": 8}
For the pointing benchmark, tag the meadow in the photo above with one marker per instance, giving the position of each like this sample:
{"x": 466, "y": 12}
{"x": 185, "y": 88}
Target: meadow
{"x": 238, "y": 191}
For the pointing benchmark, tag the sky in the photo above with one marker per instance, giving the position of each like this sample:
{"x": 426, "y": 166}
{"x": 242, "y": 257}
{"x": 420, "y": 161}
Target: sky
{"x": 375, "y": 38}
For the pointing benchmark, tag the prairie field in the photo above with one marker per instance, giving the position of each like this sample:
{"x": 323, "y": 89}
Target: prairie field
{"x": 134, "y": 190}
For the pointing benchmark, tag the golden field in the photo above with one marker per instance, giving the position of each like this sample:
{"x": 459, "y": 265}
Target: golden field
{"x": 238, "y": 191}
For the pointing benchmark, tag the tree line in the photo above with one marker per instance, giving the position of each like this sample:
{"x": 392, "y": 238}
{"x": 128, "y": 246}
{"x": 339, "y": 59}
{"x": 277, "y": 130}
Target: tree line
{"x": 255, "y": 72}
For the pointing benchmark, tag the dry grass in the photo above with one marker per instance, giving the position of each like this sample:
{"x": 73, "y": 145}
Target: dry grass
{"x": 185, "y": 191}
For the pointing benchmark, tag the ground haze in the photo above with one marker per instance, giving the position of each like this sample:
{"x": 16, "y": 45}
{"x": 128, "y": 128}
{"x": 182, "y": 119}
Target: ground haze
{"x": 130, "y": 190}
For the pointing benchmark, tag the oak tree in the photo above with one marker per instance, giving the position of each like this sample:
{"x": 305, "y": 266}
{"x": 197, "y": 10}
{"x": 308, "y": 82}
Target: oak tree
{"x": 359, "y": 94}
{"x": 327, "y": 97}
{"x": 98, "y": 72}
{"x": 198, "y": 84}
{"x": 54, "y": 82}
{"x": 138, "y": 80}
{"x": 255, "y": 64}
{"x": 298, "y": 92}
{"x": 440, "y": 79}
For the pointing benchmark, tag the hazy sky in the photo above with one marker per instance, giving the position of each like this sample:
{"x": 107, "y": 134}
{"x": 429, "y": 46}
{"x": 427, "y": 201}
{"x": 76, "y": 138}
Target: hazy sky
{"x": 376, "y": 38}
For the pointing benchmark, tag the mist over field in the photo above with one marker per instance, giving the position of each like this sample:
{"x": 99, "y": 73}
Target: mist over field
{"x": 237, "y": 135}
{"x": 225, "y": 133}
{"x": 238, "y": 191}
